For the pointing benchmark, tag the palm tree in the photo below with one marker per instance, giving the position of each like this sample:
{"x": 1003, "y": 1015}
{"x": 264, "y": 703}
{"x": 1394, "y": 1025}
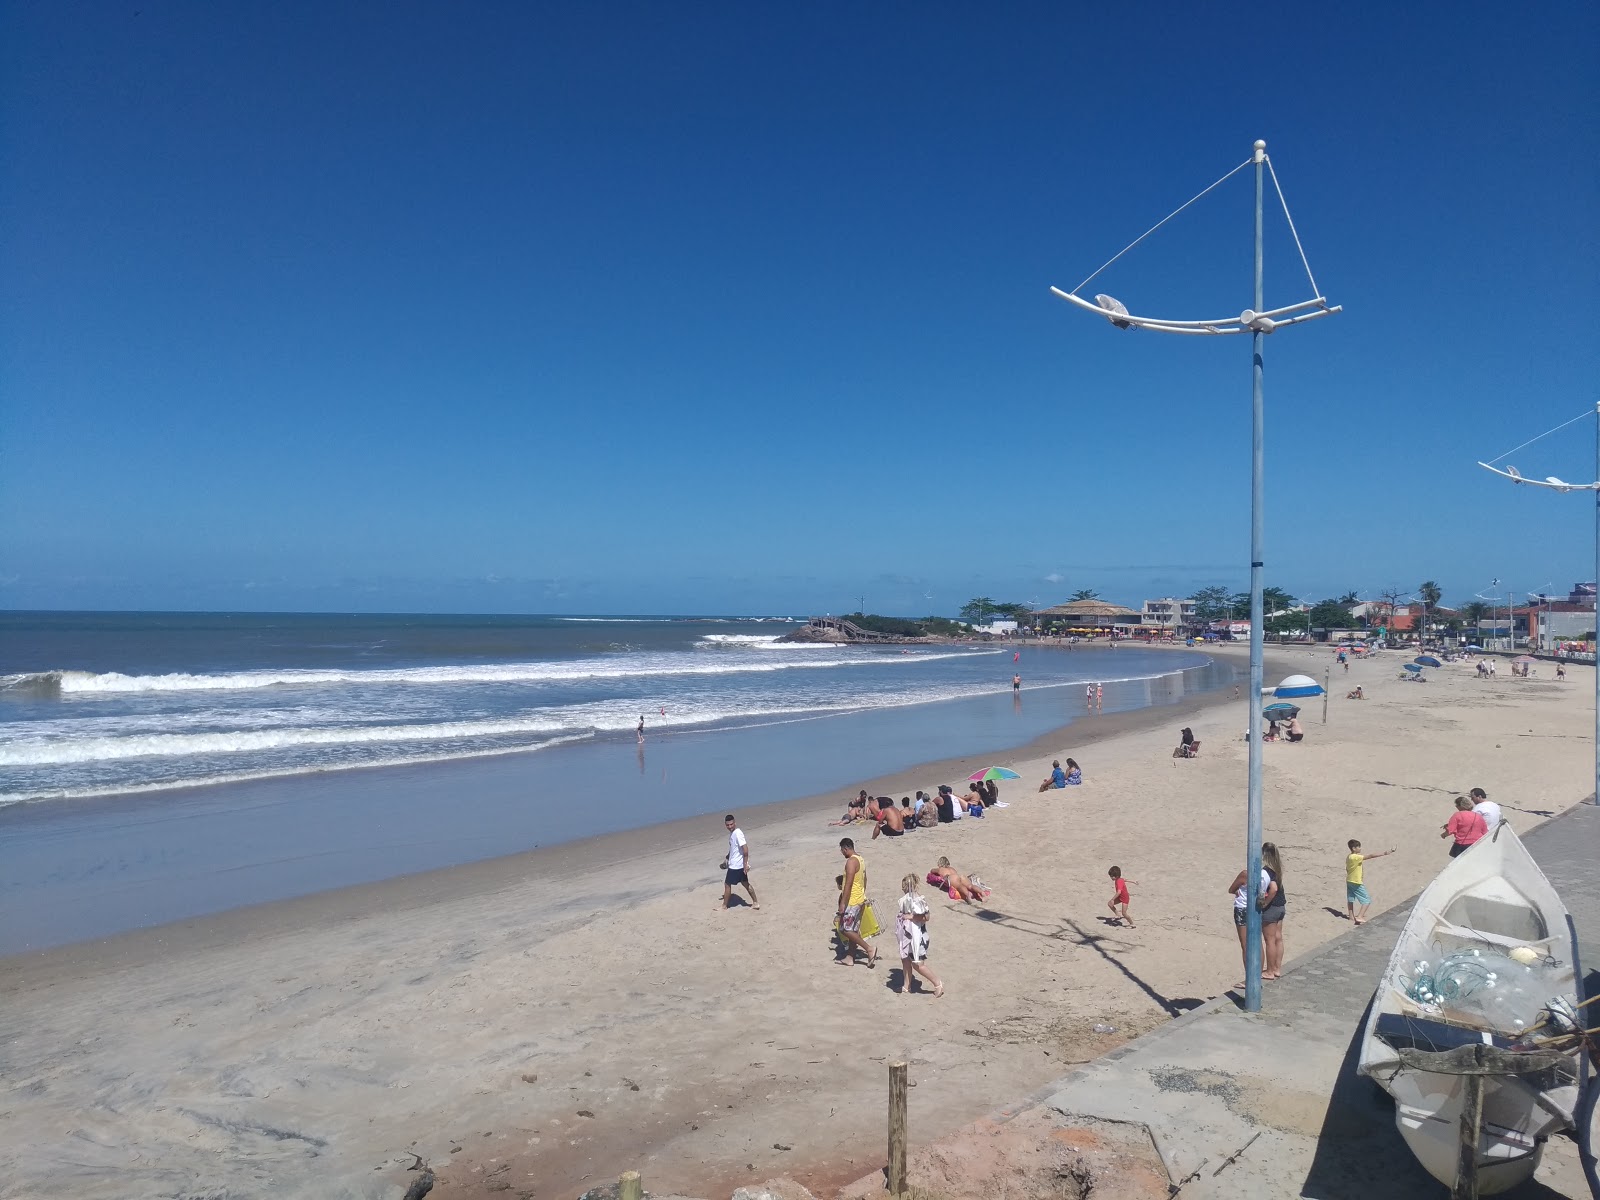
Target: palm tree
{"x": 1428, "y": 593}
{"x": 1348, "y": 600}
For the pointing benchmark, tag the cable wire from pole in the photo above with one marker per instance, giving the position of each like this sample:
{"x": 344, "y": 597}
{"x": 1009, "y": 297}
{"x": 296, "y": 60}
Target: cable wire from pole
{"x": 1588, "y": 412}
{"x": 1159, "y": 224}
{"x": 1277, "y": 187}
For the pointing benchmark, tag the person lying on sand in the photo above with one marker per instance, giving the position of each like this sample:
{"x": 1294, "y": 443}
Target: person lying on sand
{"x": 957, "y": 885}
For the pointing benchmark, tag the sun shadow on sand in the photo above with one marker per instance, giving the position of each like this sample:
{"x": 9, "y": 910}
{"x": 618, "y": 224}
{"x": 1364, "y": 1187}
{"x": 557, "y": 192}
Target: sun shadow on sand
{"x": 1070, "y": 931}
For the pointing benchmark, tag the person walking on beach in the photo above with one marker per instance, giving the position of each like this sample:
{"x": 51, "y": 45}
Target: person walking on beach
{"x": 1465, "y": 825}
{"x": 1485, "y": 808}
{"x": 1355, "y": 889}
{"x": 1119, "y": 897}
{"x": 852, "y": 900}
{"x": 1016, "y": 683}
{"x": 640, "y": 730}
{"x": 737, "y": 865}
{"x": 911, "y": 926}
{"x": 1100, "y": 693}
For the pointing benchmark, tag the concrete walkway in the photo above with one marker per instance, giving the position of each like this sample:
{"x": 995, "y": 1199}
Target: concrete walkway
{"x": 1213, "y": 1080}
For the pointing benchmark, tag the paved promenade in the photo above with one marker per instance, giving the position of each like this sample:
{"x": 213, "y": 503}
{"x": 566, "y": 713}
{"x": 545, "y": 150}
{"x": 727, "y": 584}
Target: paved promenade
{"x": 1210, "y": 1082}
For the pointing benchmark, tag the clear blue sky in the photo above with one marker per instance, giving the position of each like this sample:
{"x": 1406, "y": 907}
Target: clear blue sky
{"x": 743, "y": 308}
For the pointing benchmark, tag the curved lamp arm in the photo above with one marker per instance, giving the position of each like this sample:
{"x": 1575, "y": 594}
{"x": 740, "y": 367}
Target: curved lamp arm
{"x": 1246, "y": 322}
{"x": 1550, "y": 481}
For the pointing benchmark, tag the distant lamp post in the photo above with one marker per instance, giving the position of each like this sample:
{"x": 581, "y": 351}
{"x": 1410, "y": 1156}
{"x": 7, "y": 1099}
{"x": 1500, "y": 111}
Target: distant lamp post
{"x": 1561, "y": 485}
{"x": 1258, "y": 321}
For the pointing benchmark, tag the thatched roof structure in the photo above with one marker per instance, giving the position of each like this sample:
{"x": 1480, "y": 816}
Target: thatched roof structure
{"x": 1085, "y": 612}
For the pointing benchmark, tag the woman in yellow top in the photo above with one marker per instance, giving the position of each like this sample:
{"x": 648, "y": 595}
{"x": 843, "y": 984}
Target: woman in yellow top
{"x": 1355, "y": 890}
{"x": 852, "y": 899}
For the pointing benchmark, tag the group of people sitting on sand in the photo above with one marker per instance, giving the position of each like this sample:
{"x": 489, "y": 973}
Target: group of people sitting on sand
{"x": 894, "y": 820}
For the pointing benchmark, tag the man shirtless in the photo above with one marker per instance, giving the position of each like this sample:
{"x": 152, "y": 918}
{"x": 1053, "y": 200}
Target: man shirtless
{"x": 890, "y": 823}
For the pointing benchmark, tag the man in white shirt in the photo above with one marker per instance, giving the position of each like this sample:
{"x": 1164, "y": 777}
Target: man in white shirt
{"x": 738, "y": 864}
{"x": 1486, "y": 808}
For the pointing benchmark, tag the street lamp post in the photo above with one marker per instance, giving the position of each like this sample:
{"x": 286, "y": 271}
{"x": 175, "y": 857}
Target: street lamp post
{"x": 1258, "y": 322}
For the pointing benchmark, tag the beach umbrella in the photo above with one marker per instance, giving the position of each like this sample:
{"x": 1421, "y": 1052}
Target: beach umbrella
{"x": 1524, "y": 659}
{"x": 1298, "y": 685}
{"x": 1413, "y": 667}
{"x": 994, "y": 773}
{"x": 1280, "y": 712}
{"x": 1472, "y": 646}
{"x": 1427, "y": 660}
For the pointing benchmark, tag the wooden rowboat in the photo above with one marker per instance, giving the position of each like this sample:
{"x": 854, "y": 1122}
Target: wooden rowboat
{"x": 1472, "y": 1009}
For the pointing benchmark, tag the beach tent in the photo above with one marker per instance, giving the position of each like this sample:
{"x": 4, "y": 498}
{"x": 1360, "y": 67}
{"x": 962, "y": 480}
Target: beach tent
{"x": 1298, "y": 685}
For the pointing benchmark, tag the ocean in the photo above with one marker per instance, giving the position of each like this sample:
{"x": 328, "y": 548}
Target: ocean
{"x": 162, "y": 765}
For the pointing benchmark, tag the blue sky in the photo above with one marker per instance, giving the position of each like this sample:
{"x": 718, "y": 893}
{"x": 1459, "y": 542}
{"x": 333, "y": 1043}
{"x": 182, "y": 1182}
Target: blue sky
{"x": 745, "y": 308}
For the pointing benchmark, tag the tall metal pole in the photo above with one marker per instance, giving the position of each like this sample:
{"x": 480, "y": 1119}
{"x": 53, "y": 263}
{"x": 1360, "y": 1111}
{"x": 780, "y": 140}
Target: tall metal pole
{"x": 1597, "y": 607}
{"x": 1252, "y": 940}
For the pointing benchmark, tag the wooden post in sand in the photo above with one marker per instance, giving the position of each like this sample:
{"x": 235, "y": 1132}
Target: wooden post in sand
{"x": 1327, "y": 686}
{"x": 630, "y": 1186}
{"x": 897, "y": 1128}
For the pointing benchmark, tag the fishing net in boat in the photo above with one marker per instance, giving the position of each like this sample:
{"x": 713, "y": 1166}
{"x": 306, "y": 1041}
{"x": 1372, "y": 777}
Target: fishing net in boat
{"x": 1488, "y": 989}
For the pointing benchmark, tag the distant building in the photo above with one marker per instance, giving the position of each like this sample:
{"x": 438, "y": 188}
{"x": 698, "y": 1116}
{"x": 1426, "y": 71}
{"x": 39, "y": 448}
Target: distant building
{"x": 1169, "y": 614}
{"x": 1087, "y": 617}
{"x": 1560, "y": 621}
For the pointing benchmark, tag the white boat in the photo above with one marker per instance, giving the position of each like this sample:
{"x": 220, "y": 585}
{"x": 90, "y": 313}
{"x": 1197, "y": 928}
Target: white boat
{"x": 1486, "y": 950}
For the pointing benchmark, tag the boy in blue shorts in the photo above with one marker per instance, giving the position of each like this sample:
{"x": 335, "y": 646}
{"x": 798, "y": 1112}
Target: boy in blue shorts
{"x": 1355, "y": 889}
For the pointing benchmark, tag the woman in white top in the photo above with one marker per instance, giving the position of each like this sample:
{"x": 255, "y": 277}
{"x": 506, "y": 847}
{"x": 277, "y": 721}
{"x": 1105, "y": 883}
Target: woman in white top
{"x": 1241, "y": 910}
{"x": 911, "y": 924}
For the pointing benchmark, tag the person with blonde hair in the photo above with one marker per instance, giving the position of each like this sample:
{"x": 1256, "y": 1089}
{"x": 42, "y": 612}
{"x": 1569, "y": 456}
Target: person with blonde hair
{"x": 948, "y": 879}
{"x": 911, "y": 924}
{"x": 1271, "y": 900}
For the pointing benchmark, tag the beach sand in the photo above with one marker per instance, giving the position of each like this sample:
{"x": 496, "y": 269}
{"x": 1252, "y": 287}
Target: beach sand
{"x": 536, "y": 1024}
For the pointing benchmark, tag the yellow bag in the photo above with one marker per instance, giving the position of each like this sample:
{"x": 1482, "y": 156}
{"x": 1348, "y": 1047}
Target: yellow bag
{"x": 869, "y": 922}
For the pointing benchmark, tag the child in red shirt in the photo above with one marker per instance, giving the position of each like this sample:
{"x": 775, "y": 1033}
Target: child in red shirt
{"x": 1120, "y": 897}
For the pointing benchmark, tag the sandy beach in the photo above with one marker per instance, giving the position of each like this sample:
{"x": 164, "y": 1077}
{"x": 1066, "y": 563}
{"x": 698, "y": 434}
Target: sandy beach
{"x": 535, "y": 1024}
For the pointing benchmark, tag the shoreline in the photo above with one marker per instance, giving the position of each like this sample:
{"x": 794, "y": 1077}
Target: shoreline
{"x": 543, "y": 1025}
{"x": 203, "y": 851}
{"x": 563, "y": 861}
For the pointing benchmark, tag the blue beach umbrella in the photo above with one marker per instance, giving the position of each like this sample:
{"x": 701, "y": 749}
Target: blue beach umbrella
{"x": 1298, "y": 685}
{"x": 1427, "y": 660}
{"x": 1413, "y": 667}
{"x": 1280, "y": 712}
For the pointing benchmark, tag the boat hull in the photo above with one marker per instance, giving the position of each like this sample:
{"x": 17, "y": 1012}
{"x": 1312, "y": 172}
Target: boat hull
{"x": 1488, "y": 943}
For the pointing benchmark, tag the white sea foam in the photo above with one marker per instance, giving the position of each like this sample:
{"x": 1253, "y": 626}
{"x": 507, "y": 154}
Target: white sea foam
{"x": 670, "y": 663}
{"x": 145, "y": 739}
{"x": 758, "y": 641}
{"x": 119, "y": 789}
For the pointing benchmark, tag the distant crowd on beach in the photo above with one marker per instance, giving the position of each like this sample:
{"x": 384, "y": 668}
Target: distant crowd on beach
{"x": 856, "y": 920}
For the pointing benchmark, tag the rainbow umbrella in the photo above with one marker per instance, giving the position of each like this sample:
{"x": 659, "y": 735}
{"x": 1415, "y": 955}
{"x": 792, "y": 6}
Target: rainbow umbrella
{"x": 993, "y": 773}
